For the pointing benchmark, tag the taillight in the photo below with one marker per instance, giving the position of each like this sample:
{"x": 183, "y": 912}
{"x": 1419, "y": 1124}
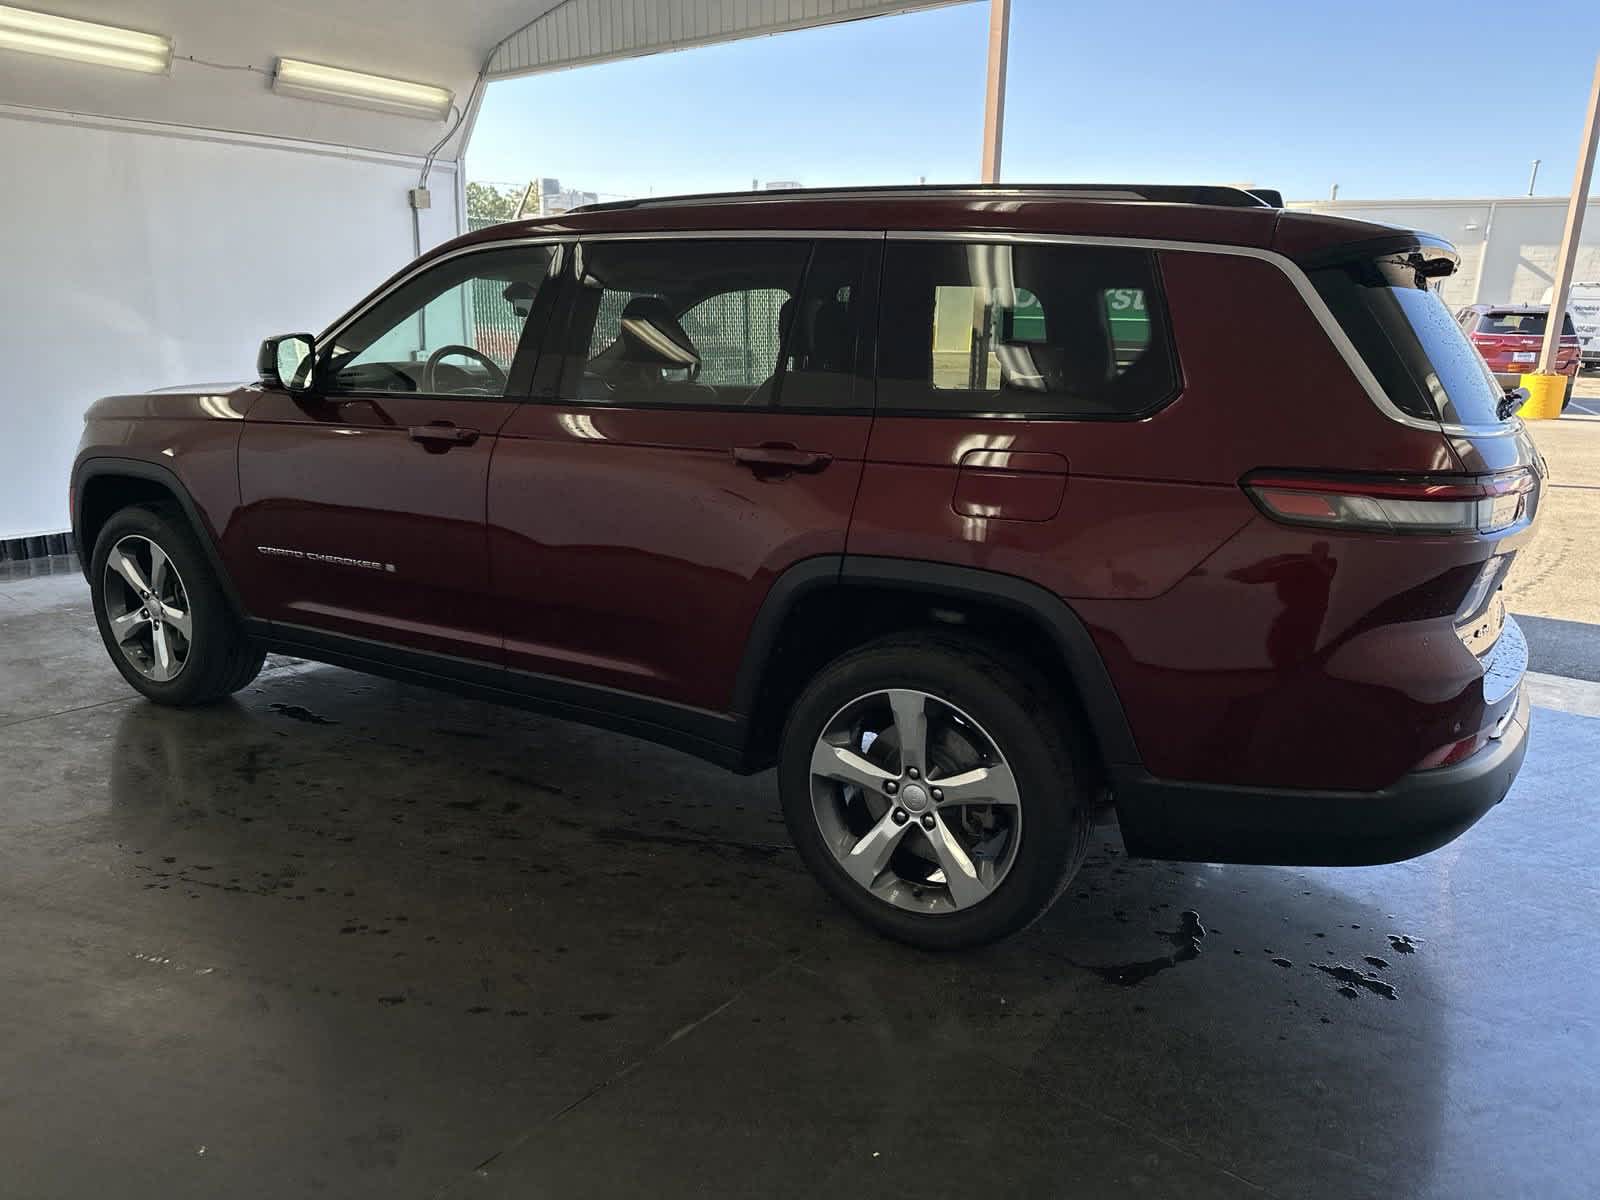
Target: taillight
{"x": 1394, "y": 504}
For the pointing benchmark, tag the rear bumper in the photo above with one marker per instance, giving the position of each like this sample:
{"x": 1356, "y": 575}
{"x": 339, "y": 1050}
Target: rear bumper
{"x": 1514, "y": 378}
{"x": 1421, "y": 812}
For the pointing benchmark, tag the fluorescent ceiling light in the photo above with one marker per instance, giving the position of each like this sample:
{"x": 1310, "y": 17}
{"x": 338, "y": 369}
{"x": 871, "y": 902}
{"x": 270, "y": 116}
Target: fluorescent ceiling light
{"x": 336, "y": 85}
{"x": 83, "y": 41}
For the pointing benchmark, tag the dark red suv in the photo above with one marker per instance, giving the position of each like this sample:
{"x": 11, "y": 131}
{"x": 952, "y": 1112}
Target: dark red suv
{"x": 976, "y": 512}
{"x": 1509, "y": 337}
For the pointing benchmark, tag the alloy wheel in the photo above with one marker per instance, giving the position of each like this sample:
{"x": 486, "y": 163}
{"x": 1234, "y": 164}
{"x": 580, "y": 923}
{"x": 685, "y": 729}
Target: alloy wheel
{"x": 915, "y": 801}
{"x": 147, "y": 608}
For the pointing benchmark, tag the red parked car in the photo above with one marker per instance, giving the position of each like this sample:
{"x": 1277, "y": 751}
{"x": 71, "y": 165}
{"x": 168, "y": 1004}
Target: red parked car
{"x": 975, "y": 512}
{"x": 1509, "y": 337}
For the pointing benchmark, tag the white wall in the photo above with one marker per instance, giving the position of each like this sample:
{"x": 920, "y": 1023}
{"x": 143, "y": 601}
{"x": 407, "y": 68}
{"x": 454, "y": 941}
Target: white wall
{"x": 1508, "y": 246}
{"x": 140, "y": 256}
{"x": 1522, "y": 251}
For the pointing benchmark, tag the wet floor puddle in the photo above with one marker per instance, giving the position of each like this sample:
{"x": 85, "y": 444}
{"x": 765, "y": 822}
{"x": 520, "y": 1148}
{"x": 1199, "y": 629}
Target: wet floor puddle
{"x": 1186, "y": 939}
{"x": 297, "y": 712}
{"x": 1350, "y": 979}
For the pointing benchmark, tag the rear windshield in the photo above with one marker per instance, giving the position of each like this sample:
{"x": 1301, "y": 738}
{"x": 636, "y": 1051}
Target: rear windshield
{"x": 1410, "y": 342}
{"x": 1519, "y": 322}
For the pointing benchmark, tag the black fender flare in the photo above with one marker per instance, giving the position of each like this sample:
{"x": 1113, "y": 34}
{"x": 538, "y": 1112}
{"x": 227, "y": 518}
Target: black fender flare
{"x": 1072, "y": 639}
{"x": 133, "y": 468}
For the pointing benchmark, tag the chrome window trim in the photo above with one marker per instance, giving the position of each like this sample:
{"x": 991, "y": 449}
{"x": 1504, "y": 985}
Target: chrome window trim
{"x": 419, "y": 267}
{"x": 1291, "y": 270}
{"x": 730, "y": 235}
{"x": 576, "y": 239}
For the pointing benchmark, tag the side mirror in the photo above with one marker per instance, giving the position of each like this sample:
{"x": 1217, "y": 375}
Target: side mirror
{"x": 1511, "y": 403}
{"x": 285, "y": 361}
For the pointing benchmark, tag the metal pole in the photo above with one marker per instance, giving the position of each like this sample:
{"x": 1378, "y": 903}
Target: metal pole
{"x": 994, "y": 114}
{"x": 1576, "y": 203}
{"x": 1533, "y": 176}
{"x": 1483, "y": 255}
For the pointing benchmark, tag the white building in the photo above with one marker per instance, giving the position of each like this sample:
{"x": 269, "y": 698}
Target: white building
{"x": 1508, "y": 246}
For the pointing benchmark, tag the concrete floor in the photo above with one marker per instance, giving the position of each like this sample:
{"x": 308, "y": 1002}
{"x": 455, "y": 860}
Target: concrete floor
{"x": 347, "y": 938}
{"x": 1586, "y": 394}
{"x": 1554, "y": 577}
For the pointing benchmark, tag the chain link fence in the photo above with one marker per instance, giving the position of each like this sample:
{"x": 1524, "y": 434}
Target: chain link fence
{"x": 495, "y": 325}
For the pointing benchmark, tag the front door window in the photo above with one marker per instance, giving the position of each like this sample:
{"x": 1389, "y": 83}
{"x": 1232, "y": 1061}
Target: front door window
{"x": 454, "y": 330}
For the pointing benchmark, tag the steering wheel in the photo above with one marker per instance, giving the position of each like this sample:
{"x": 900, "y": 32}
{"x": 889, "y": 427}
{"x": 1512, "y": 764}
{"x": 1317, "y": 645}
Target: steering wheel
{"x": 496, "y": 375}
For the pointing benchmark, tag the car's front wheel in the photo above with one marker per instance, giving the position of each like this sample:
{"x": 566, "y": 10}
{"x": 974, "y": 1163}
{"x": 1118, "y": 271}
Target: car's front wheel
{"x": 936, "y": 789}
{"x": 162, "y": 613}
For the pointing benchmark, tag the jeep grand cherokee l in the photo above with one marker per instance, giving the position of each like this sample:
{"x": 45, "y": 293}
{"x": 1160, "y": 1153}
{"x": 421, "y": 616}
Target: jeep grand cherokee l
{"x": 1509, "y": 338}
{"x": 972, "y": 511}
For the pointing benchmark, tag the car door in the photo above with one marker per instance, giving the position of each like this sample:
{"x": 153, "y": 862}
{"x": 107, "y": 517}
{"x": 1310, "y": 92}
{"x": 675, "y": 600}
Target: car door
{"x": 698, "y": 427}
{"x": 362, "y": 499}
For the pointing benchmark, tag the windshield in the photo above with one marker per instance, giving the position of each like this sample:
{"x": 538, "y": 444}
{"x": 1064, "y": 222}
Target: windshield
{"x": 1409, "y": 340}
{"x": 1519, "y": 322}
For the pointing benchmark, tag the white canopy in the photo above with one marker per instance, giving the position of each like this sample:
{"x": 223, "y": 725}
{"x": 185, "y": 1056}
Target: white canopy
{"x": 225, "y": 54}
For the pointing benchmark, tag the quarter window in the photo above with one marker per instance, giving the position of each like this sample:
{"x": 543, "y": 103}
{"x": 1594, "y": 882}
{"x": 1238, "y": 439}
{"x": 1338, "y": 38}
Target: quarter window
{"x": 1023, "y": 329}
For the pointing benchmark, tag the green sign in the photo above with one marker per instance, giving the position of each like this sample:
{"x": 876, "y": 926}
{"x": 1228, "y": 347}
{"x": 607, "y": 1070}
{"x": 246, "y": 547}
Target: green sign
{"x": 1126, "y": 317}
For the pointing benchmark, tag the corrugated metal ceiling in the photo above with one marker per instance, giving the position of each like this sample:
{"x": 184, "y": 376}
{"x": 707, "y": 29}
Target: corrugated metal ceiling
{"x": 574, "y": 32}
{"x": 225, "y": 54}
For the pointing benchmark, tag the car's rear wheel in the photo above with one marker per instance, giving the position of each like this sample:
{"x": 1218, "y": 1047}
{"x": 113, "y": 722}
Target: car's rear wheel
{"x": 936, "y": 789}
{"x": 162, "y": 613}
{"x": 1572, "y": 382}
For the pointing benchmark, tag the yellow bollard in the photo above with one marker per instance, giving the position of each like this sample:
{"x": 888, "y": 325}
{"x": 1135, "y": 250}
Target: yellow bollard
{"x": 1545, "y": 394}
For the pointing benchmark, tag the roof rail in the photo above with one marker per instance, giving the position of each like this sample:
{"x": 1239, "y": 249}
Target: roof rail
{"x": 1160, "y": 193}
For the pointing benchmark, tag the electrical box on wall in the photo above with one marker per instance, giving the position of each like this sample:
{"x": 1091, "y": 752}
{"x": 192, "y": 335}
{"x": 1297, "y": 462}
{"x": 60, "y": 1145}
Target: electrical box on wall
{"x": 421, "y": 198}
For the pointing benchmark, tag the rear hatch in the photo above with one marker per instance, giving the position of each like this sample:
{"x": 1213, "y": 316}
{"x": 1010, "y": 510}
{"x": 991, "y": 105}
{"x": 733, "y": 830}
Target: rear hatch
{"x": 1478, "y": 509}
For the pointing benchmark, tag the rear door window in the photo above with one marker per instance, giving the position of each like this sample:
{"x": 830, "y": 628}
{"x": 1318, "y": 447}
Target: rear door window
{"x": 680, "y": 322}
{"x": 1023, "y": 329}
{"x": 1419, "y": 355}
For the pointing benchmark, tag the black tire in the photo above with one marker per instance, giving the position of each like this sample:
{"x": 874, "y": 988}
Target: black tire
{"x": 1572, "y": 382}
{"x": 221, "y": 659}
{"x": 1030, "y": 725}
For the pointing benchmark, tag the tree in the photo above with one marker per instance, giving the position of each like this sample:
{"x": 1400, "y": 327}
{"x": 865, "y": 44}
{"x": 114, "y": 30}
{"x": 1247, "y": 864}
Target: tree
{"x": 485, "y": 202}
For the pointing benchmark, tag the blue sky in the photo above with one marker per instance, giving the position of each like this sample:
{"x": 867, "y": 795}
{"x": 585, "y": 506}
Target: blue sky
{"x": 1386, "y": 99}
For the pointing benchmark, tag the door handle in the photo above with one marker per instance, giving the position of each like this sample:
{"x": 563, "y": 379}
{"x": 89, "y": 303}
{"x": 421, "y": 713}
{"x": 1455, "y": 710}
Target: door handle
{"x": 439, "y": 436}
{"x": 774, "y": 458}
